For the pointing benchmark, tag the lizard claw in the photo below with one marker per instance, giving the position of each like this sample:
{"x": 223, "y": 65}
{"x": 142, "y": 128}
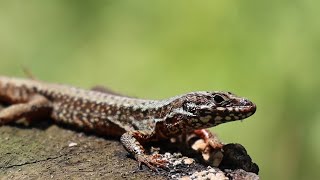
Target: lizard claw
{"x": 213, "y": 144}
{"x": 211, "y": 150}
{"x": 210, "y": 142}
{"x": 152, "y": 161}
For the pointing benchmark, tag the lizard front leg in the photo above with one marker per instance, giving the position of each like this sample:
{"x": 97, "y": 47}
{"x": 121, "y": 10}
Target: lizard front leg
{"x": 210, "y": 146}
{"x": 204, "y": 142}
{"x": 133, "y": 141}
{"x": 211, "y": 140}
{"x": 36, "y": 105}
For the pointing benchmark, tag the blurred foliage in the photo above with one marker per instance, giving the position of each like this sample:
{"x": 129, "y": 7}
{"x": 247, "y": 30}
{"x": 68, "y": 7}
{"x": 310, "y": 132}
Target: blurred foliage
{"x": 267, "y": 51}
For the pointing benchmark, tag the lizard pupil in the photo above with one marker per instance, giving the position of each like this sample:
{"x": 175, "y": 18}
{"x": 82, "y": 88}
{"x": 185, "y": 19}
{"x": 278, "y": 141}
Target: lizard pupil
{"x": 218, "y": 99}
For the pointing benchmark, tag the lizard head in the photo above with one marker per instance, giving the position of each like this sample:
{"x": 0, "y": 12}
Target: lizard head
{"x": 207, "y": 109}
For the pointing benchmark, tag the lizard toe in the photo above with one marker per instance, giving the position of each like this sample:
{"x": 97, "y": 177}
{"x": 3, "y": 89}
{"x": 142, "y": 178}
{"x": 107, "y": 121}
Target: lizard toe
{"x": 153, "y": 161}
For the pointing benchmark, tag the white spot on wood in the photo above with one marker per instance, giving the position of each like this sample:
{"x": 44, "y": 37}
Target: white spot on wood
{"x": 72, "y": 144}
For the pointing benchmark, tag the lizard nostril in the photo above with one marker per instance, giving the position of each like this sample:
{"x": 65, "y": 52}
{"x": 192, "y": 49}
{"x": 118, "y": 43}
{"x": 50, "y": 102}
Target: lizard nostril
{"x": 245, "y": 102}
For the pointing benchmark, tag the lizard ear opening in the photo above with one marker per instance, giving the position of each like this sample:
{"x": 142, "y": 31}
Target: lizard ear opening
{"x": 185, "y": 106}
{"x": 188, "y": 107}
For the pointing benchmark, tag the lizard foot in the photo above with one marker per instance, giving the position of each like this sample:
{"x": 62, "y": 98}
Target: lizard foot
{"x": 152, "y": 161}
{"x": 213, "y": 144}
{"x": 210, "y": 141}
{"x": 211, "y": 151}
{"x": 210, "y": 147}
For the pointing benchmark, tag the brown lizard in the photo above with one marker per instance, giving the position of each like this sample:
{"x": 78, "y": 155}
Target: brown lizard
{"x": 135, "y": 121}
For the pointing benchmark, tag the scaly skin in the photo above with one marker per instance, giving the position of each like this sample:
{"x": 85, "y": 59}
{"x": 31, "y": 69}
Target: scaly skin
{"x": 135, "y": 121}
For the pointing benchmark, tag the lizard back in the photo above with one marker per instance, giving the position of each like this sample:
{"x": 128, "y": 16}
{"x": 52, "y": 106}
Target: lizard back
{"x": 104, "y": 113}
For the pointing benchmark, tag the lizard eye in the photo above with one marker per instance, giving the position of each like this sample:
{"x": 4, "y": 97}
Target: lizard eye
{"x": 218, "y": 99}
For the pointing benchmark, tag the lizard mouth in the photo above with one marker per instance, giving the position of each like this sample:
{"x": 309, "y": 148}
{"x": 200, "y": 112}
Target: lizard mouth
{"x": 236, "y": 112}
{"x": 248, "y": 108}
{"x": 240, "y": 112}
{"x": 246, "y": 111}
{"x": 228, "y": 114}
{"x": 244, "y": 108}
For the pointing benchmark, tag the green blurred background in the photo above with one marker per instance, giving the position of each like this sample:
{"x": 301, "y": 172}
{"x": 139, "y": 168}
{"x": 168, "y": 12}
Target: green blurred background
{"x": 267, "y": 51}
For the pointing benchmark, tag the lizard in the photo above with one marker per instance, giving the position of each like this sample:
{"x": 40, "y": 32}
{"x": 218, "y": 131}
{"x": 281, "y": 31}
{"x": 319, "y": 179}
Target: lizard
{"x": 135, "y": 121}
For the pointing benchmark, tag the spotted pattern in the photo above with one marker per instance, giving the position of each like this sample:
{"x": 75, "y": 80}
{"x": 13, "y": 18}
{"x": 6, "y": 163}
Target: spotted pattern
{"x": 136, "y": 120}
{"x": 96, "y": 110}
{"x": 91, "y": 110}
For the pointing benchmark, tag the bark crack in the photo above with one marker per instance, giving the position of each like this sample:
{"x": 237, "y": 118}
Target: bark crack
{"x": 32, "y": 162}
{"x": 43, "y": 160}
